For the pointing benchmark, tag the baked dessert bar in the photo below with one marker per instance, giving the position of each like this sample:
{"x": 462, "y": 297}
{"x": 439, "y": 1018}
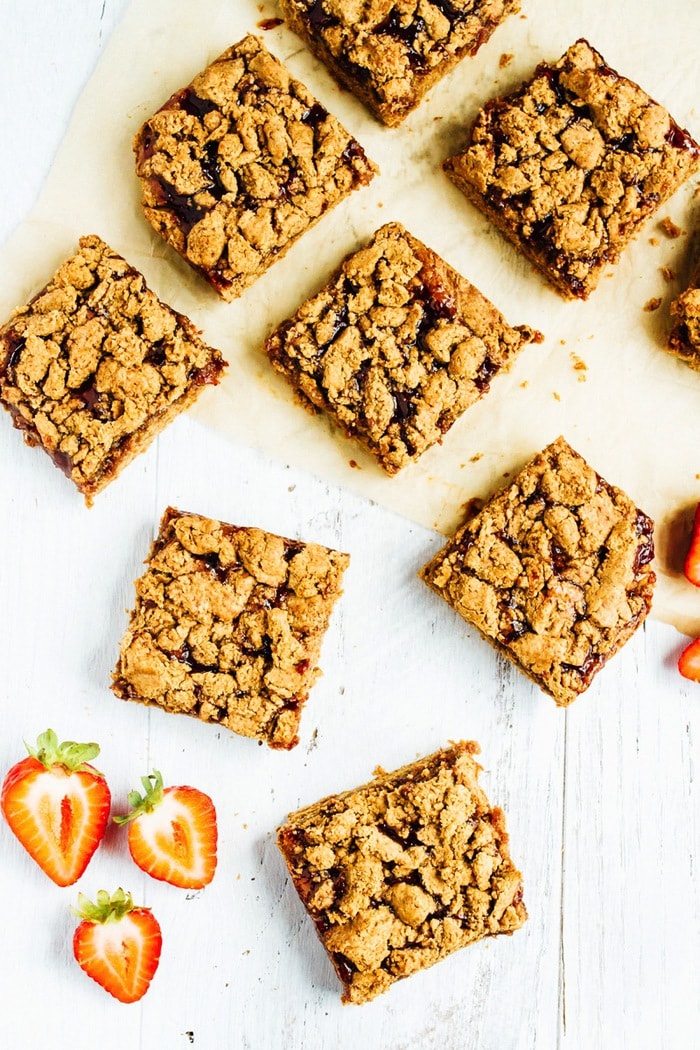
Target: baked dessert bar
{"x": 403, "y": 871}
{"x": 96, "y": 365}
{"x": 236, "y": 166}
{"x": 228, "y": 626}
{"x": 684, "y": 337}
{"x": 570, "y": 166}
{"x": 390, "y": 54}
{"x": 554, "y": 571}
{"x": 395, "y": 347}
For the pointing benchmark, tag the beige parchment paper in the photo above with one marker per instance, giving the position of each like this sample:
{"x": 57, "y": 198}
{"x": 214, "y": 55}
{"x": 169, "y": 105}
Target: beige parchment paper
{"x": 601, "y": 378}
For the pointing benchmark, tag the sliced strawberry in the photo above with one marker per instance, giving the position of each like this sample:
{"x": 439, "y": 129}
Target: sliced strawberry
{"x": 57, "y": 805}
{"x": 172, "y": 833}
{"x": 692, "y": 560}
{"x": 689, "y": 661}
{"x": 117, "y": 944}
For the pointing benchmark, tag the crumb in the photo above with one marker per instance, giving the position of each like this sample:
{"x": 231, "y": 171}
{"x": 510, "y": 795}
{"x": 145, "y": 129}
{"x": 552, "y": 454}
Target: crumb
{"x": 652, "y": 304}
{"x": 668, "y": 274}
{"x": 654, "y": 241}
{"x": 354, "y": 464}
{"x": 270, "y": 23}
{"x": 505, "y": 60}
{"x": 556, "y": 396}
{"x": 562, "y": 342}
{"x": 669, "y": 227}
{"x": 476, "y": 457}
{"x": 580, "y": 366}
{"x": 524, "y": 384}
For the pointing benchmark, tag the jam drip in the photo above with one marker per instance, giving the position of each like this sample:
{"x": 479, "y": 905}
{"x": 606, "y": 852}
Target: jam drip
{"x": 487, "y": 370}
{"x": 184, "y": 205}
{"x": 98, "y": 403}
{"x": 644, "y": 528}
{"x": 588, "y": 669}
{"x": 184, "y": 656}
{"x": 193, "y": 103}
{"x": 317, "y": 16}
{"x": 407, "y": 34}
{"x": 270, "y": 23}
{"x": 213, "y": 565}
{"x": 14, "y": 345}
{"x": 315, "y": 115}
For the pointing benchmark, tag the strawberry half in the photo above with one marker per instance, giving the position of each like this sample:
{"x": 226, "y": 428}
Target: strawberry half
{"x": 117, "y": 944}
{"x": 172, "y": 833}
{"x": 689, "y": 661}
{"x": 692, "y": 560}
{"x": 57, "y": 805}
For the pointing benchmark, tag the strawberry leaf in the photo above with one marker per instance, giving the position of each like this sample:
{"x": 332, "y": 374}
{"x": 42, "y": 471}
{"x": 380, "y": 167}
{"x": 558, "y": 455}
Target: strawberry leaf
{"x": 71, "y": 755}
{"x": 146, "y": 803}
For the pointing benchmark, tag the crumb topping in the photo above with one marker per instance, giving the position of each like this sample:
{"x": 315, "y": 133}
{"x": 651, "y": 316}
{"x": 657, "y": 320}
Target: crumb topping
{"x": 389, "y": 52}
{"x": 403, "y": 871}
{"x": 572, "y": 164}
{"x": 395, "y": 347}
{"x": 228, "y": 626}
{"x": 96, "y": 364}
{"x": 236, "y": 166}
{"x": 555, "y": 571}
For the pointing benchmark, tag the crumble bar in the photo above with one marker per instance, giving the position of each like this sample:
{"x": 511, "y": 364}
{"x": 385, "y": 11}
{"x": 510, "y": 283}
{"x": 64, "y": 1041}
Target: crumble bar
{"x": 684, "y": 337}
{"x": 571, "y": 165}
{"x": 395, "y": 347}
{"x": 389, "y": 53}
{"x": 238, "y": 165}
{"x": 403, "y": 871}
{"x": 95, "y": 365}
{"x": 554, "y": 571}
{"x": 228, "y": 626}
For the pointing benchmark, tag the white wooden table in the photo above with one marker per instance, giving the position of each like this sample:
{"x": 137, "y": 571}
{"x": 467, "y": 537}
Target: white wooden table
{"x": 602, "y": 800}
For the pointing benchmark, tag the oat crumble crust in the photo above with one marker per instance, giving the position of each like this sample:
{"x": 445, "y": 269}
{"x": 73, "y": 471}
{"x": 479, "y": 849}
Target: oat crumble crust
{"x": 554, "y": 571}
{"x": 389, "y": 53}
{"x": 571, "y": 166}
{"x": 403, "y": 871}
{"x": 95, "y": 365}
{"x": 395, "y": 347}
{"x": 684, "y": 337}
{"x": 228, "y": 625}
{"x": 238, "y": 165}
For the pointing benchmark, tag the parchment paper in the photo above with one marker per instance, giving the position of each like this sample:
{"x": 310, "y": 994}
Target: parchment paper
{"x": 601, "y": 377}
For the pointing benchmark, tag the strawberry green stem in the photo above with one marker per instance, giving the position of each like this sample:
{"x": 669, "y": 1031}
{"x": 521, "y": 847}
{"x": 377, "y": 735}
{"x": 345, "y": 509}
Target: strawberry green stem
{"x": 146, "y": 803}
{"x": 72, "y": 756}
{"x": 106, "y": 908}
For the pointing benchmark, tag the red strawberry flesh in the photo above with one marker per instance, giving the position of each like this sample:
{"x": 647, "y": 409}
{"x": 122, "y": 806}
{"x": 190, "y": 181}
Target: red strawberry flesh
{"x": 117, "y": 944}
{"x": 692, "y": 561}
{"x": 57, "y": 805}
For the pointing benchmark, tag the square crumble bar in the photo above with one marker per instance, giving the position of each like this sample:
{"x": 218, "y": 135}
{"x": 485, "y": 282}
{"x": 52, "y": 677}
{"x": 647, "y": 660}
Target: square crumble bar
{"x": 238, "y": 165}
{"x": 570, "y": 166}
{"x": 398, "y": 874}
{"x": 684, "y": 337}
{"x": 395, "y": 347}
{"x": 228, "y": 626}
{"x": 389, "y": 53}
{"x": 96, "y": 365}
{"x": 554, "y": 571}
